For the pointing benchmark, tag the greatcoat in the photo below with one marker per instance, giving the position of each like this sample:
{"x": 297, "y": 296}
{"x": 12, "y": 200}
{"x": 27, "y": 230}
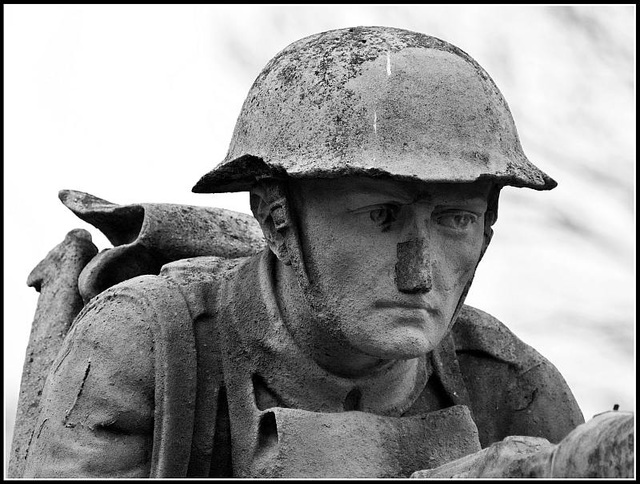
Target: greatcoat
{"x": 192, "y": 373}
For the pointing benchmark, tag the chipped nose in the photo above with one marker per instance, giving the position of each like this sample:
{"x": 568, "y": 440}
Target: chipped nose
{"x": 413, "y": 268}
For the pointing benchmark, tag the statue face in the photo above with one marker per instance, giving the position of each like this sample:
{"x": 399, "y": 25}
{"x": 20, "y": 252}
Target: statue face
{"x": 389, "y": 260}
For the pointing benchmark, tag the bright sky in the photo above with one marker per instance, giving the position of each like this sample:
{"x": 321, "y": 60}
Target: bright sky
{"x": 133, "y": 103}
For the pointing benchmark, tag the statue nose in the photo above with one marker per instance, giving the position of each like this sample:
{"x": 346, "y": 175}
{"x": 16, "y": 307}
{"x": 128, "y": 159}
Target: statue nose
{"x": 413, "y": 267}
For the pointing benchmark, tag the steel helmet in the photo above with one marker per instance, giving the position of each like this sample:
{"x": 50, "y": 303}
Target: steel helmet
{"x": 374, "y": 101}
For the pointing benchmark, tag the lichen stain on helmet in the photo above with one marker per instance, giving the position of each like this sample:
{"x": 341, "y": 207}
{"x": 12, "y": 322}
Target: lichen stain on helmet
{"x": 375, "y": 101}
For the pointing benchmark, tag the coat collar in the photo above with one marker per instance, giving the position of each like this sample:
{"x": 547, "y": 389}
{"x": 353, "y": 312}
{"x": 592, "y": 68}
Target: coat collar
{"x": 266, "y": 349}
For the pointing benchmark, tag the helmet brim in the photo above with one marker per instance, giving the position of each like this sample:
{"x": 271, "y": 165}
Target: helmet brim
{"x": 242, "y": 173}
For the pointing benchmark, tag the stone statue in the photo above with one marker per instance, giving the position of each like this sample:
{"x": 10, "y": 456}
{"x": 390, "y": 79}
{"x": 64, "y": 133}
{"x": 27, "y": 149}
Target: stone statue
{"x": 329, "y": 336}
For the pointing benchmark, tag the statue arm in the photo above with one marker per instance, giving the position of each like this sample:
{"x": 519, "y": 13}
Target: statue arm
{"x": 543, "y": 405}
{"x": 603, "y": 447}
{"x": 96, "y": 416}
{"x": 533, "y": 399}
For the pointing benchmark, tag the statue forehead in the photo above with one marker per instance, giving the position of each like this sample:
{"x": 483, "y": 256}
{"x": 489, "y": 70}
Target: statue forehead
{"x": 337, "y": 189}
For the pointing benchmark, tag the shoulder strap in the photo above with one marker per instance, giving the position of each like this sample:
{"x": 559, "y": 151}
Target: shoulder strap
{"x": 198, "y": 278}
{"x": 175, "y": 377}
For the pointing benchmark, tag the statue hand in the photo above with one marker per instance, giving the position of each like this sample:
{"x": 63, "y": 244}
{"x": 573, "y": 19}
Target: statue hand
{"x": 601, "y": 447}
{"x": 515, "y": 456}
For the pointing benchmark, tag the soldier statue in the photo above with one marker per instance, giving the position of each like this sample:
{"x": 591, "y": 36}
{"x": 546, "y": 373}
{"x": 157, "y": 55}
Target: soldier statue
{"x": 329, "y": 336}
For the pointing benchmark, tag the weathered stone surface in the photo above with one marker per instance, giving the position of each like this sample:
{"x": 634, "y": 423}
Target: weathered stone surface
{"x": 56, "y": 279}
{"x": 331, "y": 352}
{"x": 374, "y": 101}
{"x": 300, "y": 444}
{"x": 148, "y": 235}
{"x": 603, "y": 447}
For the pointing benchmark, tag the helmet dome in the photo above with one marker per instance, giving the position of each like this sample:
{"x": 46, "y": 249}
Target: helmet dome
{"x": 375, "y": 101}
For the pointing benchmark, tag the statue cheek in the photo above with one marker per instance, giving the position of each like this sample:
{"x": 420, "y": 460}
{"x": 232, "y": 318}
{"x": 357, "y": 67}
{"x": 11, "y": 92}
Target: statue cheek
{"x": 453, "y": 270}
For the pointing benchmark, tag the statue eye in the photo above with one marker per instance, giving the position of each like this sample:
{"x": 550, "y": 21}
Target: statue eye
{"x": 384, "y": 215}
{"x": 457, "y": 220}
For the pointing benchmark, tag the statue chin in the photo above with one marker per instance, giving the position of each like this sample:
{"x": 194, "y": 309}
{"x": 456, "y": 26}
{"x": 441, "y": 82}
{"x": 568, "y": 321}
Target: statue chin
{"x": 403, "y": 344}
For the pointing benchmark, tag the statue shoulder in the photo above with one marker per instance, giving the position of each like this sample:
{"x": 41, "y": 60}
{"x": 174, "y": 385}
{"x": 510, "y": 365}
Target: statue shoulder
{"x": 186, "y": 283}
{"x": 97, "y": 407}
{"x": 200, "y": 270}
{"x": 133, "y": 312}
{"x": 198, "y": 279}
{"x": 532, "y": 398}
{"x": 478, "y": 331}
{"x": 153, "y": 310}
{"x": 128, "y": 356}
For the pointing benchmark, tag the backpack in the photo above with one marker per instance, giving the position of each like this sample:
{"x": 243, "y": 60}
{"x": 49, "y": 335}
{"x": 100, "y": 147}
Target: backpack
{"x": 145, "y": 238}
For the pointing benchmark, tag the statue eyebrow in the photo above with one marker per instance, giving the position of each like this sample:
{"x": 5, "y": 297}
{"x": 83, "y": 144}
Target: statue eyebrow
{"x": 469, "y": 200}
{"x": 373, "y": 194}
{"x": 375, "y": 197}
{"x": 379, "y": 192}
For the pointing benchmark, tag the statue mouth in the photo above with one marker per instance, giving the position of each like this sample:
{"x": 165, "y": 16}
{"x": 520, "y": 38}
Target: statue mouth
{"x": 415, "y": 305}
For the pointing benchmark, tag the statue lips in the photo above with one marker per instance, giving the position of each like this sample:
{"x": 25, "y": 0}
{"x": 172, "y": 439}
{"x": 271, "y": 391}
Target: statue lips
{"x": 403, "y": 307}
{"x": 390, "y": 304}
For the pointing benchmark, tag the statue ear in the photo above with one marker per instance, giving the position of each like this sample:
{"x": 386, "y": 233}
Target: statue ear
{"x": 272, "y": 217}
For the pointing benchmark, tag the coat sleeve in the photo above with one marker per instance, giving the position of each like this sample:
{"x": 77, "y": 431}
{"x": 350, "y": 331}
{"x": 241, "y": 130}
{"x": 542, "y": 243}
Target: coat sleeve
{"x": 118, "y": 401}
{"x": 96, "y": 416}
{"x": 542, "y": 405}
{"x": 514, "y": 390}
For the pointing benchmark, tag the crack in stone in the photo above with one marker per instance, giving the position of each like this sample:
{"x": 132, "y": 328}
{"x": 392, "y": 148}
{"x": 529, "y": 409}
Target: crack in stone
{"x": 75, "y": 401}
